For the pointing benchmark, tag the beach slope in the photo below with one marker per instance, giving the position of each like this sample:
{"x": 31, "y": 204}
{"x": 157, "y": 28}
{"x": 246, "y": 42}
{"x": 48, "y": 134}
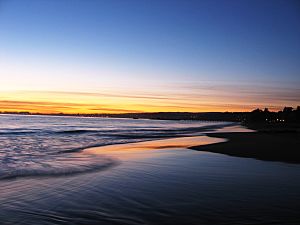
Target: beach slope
{"x": 273, "y": 146}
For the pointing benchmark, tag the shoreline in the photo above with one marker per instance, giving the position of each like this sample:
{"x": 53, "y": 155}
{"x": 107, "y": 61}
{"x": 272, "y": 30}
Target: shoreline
{"x": 134, "y": 150}
{"x": 159, "y": 182}
{"x": 268, "y": 146}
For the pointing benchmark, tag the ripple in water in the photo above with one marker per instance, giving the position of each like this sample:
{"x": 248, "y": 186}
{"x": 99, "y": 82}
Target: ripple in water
{"x": 67, "y": 164}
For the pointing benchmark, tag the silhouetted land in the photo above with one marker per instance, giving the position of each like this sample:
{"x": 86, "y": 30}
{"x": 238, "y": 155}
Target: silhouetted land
{"x": 213, "y": 116}
{"x": 257, "y": 116}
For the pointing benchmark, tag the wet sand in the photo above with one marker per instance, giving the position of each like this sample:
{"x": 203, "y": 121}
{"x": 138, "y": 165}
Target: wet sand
{"x": 159, "y": 182}
{"x": 143, "y": 149}
{"x": 272, "y": 146}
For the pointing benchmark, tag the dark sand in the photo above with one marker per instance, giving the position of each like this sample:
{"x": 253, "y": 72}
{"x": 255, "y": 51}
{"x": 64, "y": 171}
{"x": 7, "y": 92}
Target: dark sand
{"x": 272, "y": 146}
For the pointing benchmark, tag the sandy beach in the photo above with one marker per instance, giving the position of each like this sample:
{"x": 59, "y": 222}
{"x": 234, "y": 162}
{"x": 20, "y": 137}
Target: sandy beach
{"x": 160, "y": 182}
{"x": 273, "y": 146}
{"x": 129, "y": 179}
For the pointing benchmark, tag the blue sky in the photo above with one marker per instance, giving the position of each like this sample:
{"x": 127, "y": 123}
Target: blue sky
{"x": 149, "y": 45}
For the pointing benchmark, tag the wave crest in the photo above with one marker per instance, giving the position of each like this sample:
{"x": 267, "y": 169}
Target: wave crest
{"x": 60, "y": 166}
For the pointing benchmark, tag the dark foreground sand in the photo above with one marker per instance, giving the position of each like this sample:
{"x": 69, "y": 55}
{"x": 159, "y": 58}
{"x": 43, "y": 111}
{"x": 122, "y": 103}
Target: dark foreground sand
{"x": 273, "y": 146}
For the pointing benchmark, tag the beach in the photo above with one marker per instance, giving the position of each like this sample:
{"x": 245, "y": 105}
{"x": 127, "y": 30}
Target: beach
{"x": 272, "y": 146}
{"x": 161, "y": 181}
{"x": 166, "y": 112}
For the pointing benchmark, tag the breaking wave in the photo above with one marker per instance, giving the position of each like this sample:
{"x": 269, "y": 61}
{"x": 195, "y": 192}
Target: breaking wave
{"x": 66, "y": 165}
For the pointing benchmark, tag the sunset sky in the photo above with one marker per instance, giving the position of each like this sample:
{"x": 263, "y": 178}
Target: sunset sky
{"x": 77, "y": 56}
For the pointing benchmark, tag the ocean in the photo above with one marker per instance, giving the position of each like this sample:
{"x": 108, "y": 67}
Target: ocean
{"x": 48, "y": 145}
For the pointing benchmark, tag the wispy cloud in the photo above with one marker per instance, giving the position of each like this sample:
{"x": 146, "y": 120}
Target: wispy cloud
{"x": 54, "y": 107}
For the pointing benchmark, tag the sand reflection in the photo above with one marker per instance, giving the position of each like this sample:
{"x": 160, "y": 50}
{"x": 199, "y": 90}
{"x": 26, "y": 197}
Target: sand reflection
{"x": 146, "y": 149}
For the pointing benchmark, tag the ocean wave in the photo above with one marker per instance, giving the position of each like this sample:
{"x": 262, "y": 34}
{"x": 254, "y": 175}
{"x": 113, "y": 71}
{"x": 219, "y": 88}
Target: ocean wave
{"x": 61, "y": 166}
{"x": 118, "y": 133}
{"x": 51, "y": 146}
{"x": 18, "y": 132}
{"x": 28, "y": 132}
{"x": 76, "y": 131}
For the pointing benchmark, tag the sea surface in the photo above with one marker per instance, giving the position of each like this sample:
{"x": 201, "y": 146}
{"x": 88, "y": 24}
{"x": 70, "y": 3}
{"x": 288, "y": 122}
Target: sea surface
{"x": 49, "y": 176}
{"x": 49, "y": 145}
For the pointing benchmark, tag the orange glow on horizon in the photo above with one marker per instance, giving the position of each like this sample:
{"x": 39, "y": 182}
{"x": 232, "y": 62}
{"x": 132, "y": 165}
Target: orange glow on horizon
{"x": 93, "y": 103}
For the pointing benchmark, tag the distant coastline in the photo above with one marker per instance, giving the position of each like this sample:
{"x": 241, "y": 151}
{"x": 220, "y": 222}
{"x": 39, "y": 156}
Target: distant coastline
{"x": 257, "y": 117}
{"x": 213, "y": 116}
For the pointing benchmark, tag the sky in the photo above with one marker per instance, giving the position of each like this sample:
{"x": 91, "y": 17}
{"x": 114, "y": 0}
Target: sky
{"x": 109, "y": 56}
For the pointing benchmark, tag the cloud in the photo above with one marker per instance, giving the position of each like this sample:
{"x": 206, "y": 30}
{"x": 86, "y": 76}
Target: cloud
{"x": 100, "y": 94}
{"x": 55, "y": 107}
